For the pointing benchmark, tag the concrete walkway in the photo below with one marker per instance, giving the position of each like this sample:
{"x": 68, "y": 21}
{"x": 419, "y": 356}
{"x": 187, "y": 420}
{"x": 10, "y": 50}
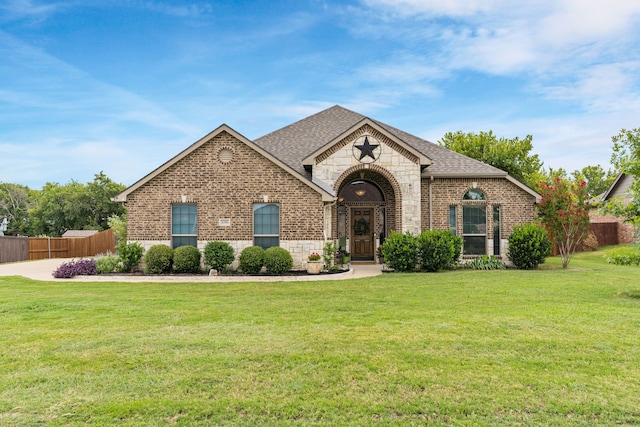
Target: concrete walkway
{"x": 43, "y": 270}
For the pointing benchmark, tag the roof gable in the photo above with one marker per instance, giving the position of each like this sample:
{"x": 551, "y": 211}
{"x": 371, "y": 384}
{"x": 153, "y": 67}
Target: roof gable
{"x": 122, "y": 197}
{"x": 311, "y": 159}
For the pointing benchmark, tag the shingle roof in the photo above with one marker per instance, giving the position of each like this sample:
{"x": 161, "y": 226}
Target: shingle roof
{"x": 298, "y": 140}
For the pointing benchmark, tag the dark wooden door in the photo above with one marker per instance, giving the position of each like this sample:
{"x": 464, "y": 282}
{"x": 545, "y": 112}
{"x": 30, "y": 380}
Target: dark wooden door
{"x": 362, "y": 233}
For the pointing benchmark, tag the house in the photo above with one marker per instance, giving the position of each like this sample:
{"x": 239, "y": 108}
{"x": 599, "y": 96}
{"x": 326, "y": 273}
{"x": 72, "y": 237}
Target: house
{"x": 619, "y": 190}
{"x": 336, "y": 175}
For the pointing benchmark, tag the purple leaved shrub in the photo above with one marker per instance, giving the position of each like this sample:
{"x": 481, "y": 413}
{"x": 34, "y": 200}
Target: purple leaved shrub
{"x": 79, "y": 267}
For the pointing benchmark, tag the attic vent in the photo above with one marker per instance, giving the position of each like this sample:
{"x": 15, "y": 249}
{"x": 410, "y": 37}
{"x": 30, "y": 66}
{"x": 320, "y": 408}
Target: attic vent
{"x": 225, "y": 155}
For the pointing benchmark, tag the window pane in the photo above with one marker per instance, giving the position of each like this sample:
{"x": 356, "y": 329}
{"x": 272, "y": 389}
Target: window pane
{"x": 266, "y": 219}
{"x": 474, "y": 220}
{"x": 496, "y": 230}
{"x": 453, "y": 227}
{"x": 266, "y": 242}
{"x": 474, "y": 194}
{"x": 185, "y": 241}
{"x": 184, "y": 219}
{"x": 474, "y": 245}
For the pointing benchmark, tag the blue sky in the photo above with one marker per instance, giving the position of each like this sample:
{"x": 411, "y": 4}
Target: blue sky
{"x": 122, "y": 86}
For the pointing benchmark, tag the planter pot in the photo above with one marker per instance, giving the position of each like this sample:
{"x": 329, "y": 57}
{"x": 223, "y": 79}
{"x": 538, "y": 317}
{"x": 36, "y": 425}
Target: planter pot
{"x": 314, "y": 267}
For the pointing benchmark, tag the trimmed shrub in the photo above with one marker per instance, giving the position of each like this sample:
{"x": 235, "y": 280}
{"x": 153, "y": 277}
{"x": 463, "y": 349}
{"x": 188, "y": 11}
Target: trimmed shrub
{"x": 77, "y": 267}
{"x": 401, "y": 251}
{"x": 528, "y": 246}
{"x": 130, "y": 255}
{"x": 218, "y": 255}
{"x": 251, "y": 259}
{"x": 625, "y": 255}
{"x": 106, "y": 264}
{"x": 158, "y": 259}
{"x": 438, "y": 249}
{"x": 186, "y": 259}
{"x": 277, "y": 260}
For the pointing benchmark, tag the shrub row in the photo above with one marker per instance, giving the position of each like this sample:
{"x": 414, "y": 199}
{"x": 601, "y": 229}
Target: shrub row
{"x": 162, "y": 259}
{"x": 433, "y": 250}
{"x": 276, "y": 260}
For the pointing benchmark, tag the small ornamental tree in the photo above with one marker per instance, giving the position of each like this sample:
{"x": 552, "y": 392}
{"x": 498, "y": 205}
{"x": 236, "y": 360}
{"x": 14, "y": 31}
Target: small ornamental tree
{"x": 564, "y": 212}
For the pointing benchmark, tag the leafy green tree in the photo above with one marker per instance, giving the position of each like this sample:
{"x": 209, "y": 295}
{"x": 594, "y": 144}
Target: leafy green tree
{"x": 598, "y": 181}
{"x": 75, "y": 206}
{"x": 626, "y": 159}
{"x": 15, "y": 201}
{"x": 510, "y": 155}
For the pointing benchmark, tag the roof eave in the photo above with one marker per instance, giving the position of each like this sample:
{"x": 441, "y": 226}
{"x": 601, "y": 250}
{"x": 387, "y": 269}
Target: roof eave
{"x": 122, "y": 197}
{"x": 504, "y": 175}
{"x": 309, "y": 161}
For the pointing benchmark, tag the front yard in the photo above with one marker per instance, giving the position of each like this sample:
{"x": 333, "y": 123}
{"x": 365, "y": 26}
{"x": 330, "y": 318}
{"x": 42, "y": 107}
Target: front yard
{"x": 544, "y": 347}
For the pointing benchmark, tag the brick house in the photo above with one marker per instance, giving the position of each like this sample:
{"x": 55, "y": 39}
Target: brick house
{"x": 619, "y": 190}
{"x": 336, "y": 175}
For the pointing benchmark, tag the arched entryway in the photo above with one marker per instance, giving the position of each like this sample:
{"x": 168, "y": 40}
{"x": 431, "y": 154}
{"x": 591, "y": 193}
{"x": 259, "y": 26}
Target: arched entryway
{"x": 366, "y": 211}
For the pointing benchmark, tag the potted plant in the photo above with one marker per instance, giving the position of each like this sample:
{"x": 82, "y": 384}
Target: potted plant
{"x": 344, "y": 256}
{"x": 314, "y": 263}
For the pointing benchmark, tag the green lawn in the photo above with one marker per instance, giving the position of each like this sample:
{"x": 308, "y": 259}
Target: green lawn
{"x": 545, "y": 347}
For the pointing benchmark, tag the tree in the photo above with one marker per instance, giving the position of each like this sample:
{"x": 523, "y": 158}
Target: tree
{"x": 15, "y": 201}
{"x": 510, "y": 155}
{"x": 598, "y": 181}
{"x": 75, "y": 206}
{"x": 626, "y": 159}
{"x": 564, "y": 212}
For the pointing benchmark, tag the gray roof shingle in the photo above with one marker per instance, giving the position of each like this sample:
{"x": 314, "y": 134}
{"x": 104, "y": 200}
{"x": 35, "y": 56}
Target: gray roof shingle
{"x": 298, "y": 140}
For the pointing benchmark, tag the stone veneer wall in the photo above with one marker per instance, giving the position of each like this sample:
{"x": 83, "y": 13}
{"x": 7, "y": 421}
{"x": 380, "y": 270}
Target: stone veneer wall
{"x": 228, "y": 191}
{"x": 398, "y": 162}
{"x": 516, "y": 205}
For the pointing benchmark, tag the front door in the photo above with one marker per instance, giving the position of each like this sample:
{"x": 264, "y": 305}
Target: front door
{"x": 362, "y": 234}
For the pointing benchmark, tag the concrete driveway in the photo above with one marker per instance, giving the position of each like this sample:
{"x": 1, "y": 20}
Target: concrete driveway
{"x": 43, "y": 270}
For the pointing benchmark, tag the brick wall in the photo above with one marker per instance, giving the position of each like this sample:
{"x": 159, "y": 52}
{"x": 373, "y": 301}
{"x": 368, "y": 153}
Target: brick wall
{"x": 224, "y": 190}
{"x": 516, "y": 205}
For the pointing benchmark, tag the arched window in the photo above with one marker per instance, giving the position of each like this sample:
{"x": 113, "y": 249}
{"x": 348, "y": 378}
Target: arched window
{"x": 474, "y": 194}
{"x": 474, "y": 223}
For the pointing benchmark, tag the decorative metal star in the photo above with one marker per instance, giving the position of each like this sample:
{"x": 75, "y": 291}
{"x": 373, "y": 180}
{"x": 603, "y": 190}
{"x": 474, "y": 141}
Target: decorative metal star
{"x": 366, "y": 149}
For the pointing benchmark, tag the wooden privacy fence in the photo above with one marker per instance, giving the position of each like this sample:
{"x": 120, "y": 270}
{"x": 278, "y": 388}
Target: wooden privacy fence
{"x": 72, "y": 247}
{"x": 606, "y": 233}
{"x": 14, "y": 249}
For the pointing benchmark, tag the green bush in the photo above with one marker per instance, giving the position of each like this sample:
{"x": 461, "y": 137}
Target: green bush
{"x": 158, "y": 259}
{"x": 251, "y": 259}
{"x": 218, "y": 255}
{"x": 277, "y": 260}
{"x": 186, "y": 259}
{"x": 401, "y": 251}
{"x": 106, "y": 264}
{"x": 624, "y": 256}
{"x": 438, "y": 249}
{"x": 130, "y": 255}
{"x": 528, "y": 246}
